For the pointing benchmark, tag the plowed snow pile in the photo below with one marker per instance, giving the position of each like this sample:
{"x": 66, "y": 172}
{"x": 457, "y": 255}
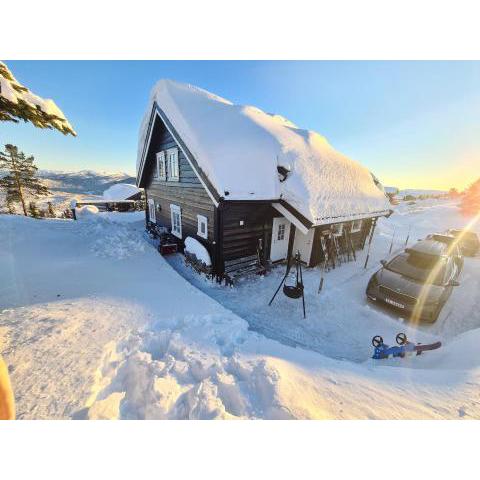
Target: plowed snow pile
{"x": 123, "y": 335}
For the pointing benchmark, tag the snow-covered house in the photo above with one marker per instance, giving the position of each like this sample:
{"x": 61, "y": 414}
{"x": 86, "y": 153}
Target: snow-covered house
{"x": 122, "y": 197}
{"x": 249, "y": 184}
{"x": 122, "y": 191}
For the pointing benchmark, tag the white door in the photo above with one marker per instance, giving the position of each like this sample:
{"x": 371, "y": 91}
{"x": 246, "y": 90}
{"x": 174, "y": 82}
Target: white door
{"x": 303, "y": 243}
{"x": 280, "y": 236}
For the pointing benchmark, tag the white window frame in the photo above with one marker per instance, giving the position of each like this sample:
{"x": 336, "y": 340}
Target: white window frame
{"x": 151, "y": 211}
{"x": 339, "y": 233}
{"x": 357, "y": 228}
{"x": 173, "y": 172}
{"x": 161, "y": 172}
{"x": 202, "y": 220}
{"x": 174, "y": 210}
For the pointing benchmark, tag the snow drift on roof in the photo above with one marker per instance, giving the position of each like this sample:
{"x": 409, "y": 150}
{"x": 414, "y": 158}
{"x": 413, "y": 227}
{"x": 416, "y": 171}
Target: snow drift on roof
{"x": 240, "y": 147}
{"x": 120, "y": 191}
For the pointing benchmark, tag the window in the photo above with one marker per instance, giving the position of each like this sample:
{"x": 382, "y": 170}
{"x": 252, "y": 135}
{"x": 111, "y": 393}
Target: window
{"x": 337, "y": 229}
{"x": 281, "y": 232}
{"x": 176, "y": 220}
{"x": 161, "y": 170}
{"x": 151, "y": 210}
{"x": 172, "y": 164}
{"x": 356, "y": 226}
{"x": 202, "y": 226}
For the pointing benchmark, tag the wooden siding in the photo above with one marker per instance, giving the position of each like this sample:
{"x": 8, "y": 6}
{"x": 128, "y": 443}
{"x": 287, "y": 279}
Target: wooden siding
{"x": 243, "y": 240}
{"x": 188, "y": 193}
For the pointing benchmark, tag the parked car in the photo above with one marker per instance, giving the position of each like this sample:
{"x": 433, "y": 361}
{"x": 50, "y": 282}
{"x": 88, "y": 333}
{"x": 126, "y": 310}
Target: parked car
{"x": 469, "y": 242}
{"x": 454, "y": 249}
{"x": 418, "y": 281}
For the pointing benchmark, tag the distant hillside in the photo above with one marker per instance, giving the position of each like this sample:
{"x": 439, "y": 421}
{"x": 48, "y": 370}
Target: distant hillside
{"x": 417, "y": 192}
{"x": 87, "y": 182}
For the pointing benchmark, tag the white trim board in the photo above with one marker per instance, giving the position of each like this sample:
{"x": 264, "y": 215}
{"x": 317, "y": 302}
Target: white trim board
{"x": 289, "y": 216}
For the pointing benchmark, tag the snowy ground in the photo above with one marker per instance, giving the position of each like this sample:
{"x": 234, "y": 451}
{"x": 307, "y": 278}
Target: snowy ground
{"x": 95, "y": 324}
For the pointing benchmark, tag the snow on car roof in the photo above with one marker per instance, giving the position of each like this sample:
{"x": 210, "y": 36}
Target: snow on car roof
{"x": 429, "y": 247}
{"x": 240, "y": 147}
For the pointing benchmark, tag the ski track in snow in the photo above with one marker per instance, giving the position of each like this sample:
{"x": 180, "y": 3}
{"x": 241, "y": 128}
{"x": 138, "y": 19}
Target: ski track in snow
{"x": 95, "y": 324}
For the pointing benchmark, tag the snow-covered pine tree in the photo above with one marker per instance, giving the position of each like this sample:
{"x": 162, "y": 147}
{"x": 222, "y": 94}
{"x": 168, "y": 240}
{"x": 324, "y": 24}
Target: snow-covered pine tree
{"x": 471, "y": 198}
{"x": 17, "y": 102}
{"x": 20, "y": 176}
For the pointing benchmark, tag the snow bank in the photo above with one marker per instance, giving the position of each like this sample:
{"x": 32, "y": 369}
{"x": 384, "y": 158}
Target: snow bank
{"x": 120, "y": 191}
{"x": 240, "y": 147}
{"x": 194, "y": 247}
{"x": 86, "y": 212}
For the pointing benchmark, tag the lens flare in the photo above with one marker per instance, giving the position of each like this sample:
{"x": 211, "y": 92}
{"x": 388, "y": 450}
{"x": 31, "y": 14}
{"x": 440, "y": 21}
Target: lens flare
{"x": 424, "y": 292}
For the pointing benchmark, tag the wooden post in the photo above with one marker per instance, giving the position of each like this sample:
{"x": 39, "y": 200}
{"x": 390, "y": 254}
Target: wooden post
{"x": 374, "y": 224}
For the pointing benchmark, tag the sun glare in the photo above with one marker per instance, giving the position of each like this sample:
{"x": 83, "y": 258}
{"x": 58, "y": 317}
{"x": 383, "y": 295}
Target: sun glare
{"x": 417, "y": 311}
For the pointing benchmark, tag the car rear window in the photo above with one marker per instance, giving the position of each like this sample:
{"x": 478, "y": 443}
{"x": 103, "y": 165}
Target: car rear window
{"x": 468, "y": 236}
{"x": 419, "y": 267}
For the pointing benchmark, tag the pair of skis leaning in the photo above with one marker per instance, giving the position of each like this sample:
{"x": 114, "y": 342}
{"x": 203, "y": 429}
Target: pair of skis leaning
{"x": 382, "y": 350}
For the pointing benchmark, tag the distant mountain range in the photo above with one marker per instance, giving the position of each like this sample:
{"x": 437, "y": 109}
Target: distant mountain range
{"x": 87, "y": 182}
{"x": 416, "y": 192}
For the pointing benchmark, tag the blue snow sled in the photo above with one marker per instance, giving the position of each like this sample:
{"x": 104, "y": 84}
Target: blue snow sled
{"x": 382, "y": 350}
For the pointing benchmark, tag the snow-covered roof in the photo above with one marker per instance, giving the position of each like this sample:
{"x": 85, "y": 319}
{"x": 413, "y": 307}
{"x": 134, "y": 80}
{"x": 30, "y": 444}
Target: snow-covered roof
{"x": 120, "y": 191}
{"x": 240, "y": 147}
{"x": 13, "y": 91}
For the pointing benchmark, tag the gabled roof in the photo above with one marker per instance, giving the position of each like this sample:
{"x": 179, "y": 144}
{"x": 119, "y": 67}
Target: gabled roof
{"x": 238, "y": 149}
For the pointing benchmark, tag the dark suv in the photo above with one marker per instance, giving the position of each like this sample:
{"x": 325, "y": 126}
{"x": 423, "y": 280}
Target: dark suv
{"x": 418, "y": 281}
{"x": 467, "y": 240}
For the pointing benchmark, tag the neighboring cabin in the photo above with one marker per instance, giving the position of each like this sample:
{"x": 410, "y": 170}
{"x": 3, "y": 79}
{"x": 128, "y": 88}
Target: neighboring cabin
{"x": 250, "y": 186}
{"x": 122, "y": 197}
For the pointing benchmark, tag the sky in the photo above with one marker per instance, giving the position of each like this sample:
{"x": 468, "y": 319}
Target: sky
{"x": 414, "y": 124}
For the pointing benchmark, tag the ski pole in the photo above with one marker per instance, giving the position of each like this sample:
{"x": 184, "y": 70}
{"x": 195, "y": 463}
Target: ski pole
{"x": 408, "y": 235}
{"x": 323, "y": 273}
{"x": 391, "y": 245}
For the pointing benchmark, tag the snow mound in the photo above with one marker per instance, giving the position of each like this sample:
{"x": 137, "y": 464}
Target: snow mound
{"x": 86, "y": 212}
{"x": 194, "y": 247}
{"x": 111, "y": 238}
{"x": 120, "y": 191}
{"x": 240, "y": 147}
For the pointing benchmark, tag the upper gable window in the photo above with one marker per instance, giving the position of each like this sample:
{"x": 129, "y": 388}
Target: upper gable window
{"x": 161, "y": 170}
{"x": 356, "y": 226}
{"x": 337, "y": 229}
{"x": 172, "y": 165}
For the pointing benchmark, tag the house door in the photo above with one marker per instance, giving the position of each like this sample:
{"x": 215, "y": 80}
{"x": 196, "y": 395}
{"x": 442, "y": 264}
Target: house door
{"x": 303, "y": 243}
{"x": 280, "y": 236}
